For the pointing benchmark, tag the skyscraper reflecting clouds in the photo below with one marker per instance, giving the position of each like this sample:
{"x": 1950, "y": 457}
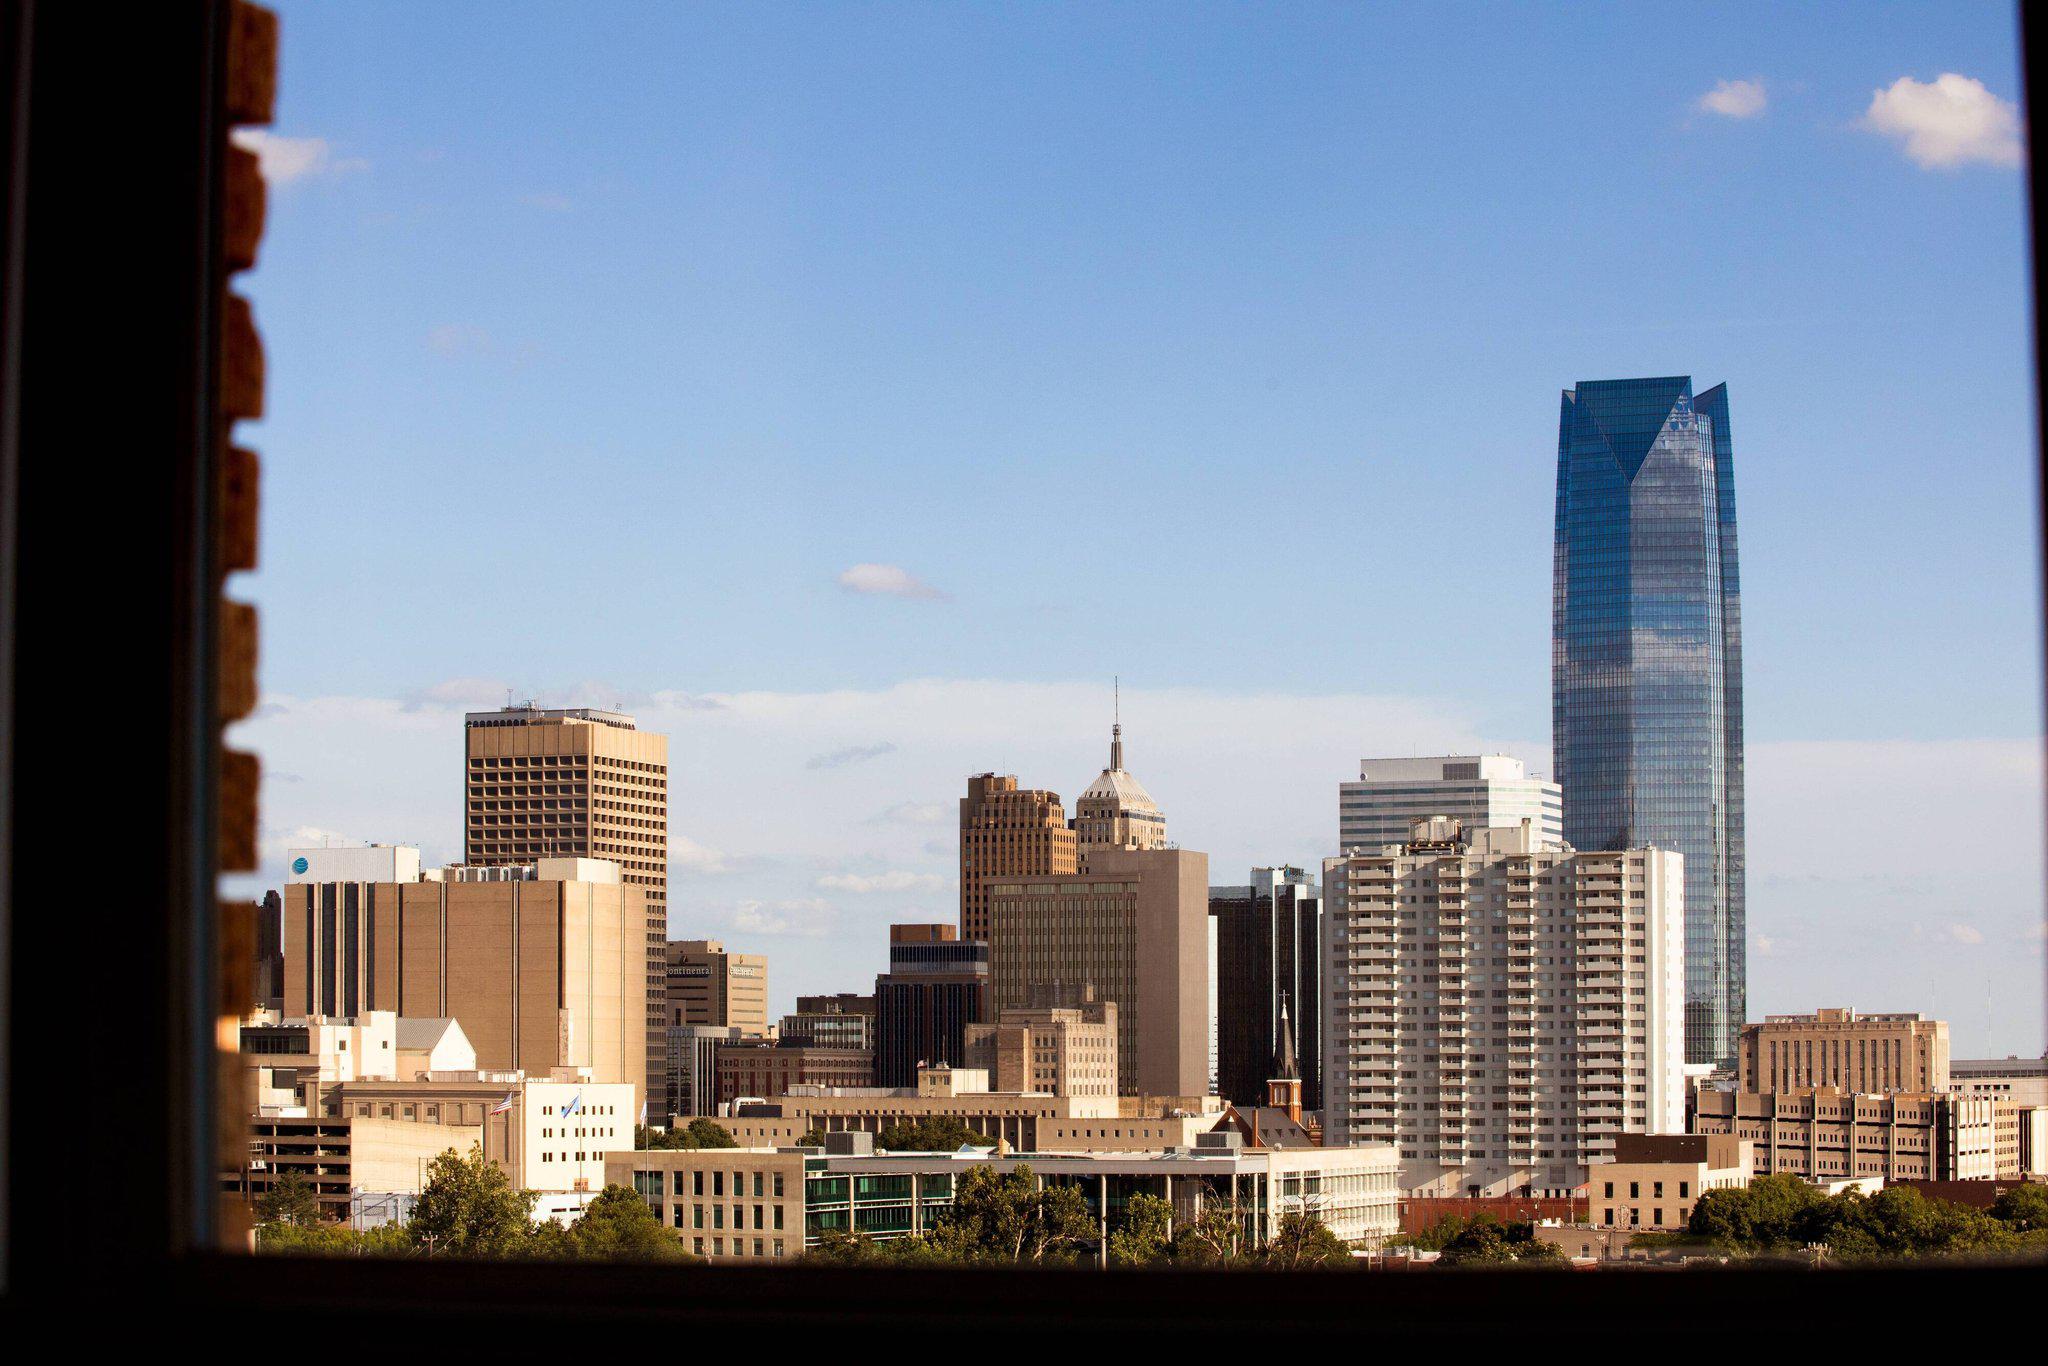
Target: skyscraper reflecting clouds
{"x": 1646, "y": 660}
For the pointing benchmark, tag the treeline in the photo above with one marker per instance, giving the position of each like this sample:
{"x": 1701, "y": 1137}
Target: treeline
{"x": 1481, "y": 1240}
{"x": 1004, "y": 1219}
{"x": 698, "y": 1133}
{"x": 470, "y": 1208}
{"x": 1779, "y": 1214}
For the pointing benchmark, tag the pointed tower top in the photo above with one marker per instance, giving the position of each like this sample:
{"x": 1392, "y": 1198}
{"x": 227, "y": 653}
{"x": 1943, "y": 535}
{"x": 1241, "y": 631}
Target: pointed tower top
{"x": 1285, "y": 1067}
{"x": 1116, "y": 728}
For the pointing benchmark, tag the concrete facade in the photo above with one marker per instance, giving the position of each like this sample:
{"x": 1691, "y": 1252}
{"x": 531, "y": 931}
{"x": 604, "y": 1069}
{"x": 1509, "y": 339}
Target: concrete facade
{"x": 1838, "y": 1047}
{"x": 1655, "y": 1179}
{"x": 1830, "y": 1135}
{"x": 1008, "y": 832}
{"x": 707, "y": 985}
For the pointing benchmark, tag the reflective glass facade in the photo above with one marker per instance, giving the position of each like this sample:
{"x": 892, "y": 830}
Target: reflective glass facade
{"x": 1646, "y": 660}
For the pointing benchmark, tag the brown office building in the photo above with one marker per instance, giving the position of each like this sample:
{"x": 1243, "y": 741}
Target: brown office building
{"x": 707, "y": 986}
{"x": 1839, "y": 1048}
{"x": 544, "y": 965}
{"x": 767, "y": 1068}
{"x": 1135, "y": 927}
{"x": 577, "y": 782}
{"x": 936, "y": 985}
{"x": 1008, "y": 832}
{"x": 1827, "y": 1135}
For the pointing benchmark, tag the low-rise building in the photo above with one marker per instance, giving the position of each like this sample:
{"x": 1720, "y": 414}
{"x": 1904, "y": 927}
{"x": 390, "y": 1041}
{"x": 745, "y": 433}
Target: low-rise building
{"x": 1654, "y": 1180}
{"x": 1824, "y": 1134}
{"x": 343, "y": 1157}
{"x": 749, "y": 1204}
{"x": 767, "y": 1068}
{"x": 2023, "y": 1081}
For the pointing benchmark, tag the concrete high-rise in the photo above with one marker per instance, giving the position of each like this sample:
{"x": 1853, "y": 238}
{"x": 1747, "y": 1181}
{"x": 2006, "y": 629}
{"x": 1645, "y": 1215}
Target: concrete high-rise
{"x": 708, "y": 986}
{"x": 1481, "y": 790}
{"x": 1499, "y": 1010}
{"x": 544, "y": 964}
{"x": 1269, "y": 963}
{"x": 1646, "y": 661}
{"x": 936, "y": 985}
{"x": 1007, "y": 831}
{"x": 1135, "y": 927}
{"x": 576, "y": 782}
{"x": 1837, "y": 1047}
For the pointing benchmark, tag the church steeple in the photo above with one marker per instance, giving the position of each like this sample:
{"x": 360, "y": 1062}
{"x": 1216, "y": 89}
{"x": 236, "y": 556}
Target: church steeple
{"x": 1283, "y": 1089}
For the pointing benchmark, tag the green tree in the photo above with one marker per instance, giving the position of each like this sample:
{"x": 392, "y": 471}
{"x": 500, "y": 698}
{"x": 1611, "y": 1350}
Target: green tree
{"x": 698, "y": 1133}
{"x": 933, "y": 1134}
{"x": 1004, "y": 1217}
{"x": 470, "y": 1208}
{"x": 333, "y": 1240}
{"x": 1485, "y": 1241}
{"x": 813, "y": 1138}
{"x": 1143, "y": 1238}
{"x": 1214, "y": 1237}
{"x": 1302, "y": 1239}
{"x": 2023, "y": 1209}
{"x": 619, "y": 1227}
{"x": 290, "y": 1200}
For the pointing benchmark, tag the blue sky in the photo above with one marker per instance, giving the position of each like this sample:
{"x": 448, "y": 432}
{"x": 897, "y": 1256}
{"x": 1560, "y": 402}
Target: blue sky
{"x": 1215, "y": 347}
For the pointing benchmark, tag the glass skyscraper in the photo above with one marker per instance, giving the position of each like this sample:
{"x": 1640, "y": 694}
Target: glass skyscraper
{"x": 1646, "y": 660}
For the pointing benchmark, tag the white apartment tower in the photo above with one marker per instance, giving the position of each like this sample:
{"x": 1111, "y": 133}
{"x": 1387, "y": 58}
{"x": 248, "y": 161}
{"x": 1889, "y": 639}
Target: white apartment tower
{"x": 1500, "y": 1008}
{"x": 1481, "y": 790}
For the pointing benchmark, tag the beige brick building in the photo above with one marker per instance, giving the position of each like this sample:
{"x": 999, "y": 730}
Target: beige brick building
{"x": 1007, "y": 832}
{"x": 1838, "y": 1047}
{"x": 1135, "y": 927}
{"x": 1826, "y": 1134}
{"x": 1059, "y": 1050}
{"x": 578, "y": 782}
{"x": 706, "y": 985}
{"x": 1655, "y": 1179}
{"x": 544, "y": 965}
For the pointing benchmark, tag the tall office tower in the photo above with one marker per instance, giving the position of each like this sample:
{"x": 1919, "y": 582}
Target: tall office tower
{"x": 1007, "y": 831}
{"x": 269, "y": 980}
{"x": 1135, "y": 927}
{"x": 936, "y": 985}
{"x": 1482, "y": 790}
{"x": 543, "y": 964}
{"x": 705, "y": 985}
{"x": 1838, "y": 1047}
{"x": 1646, "y": 661}
{"x": 576, "y": 783}
{"x": 1499, "y": 1010}
{"x": 1269, "y": 962}
{"x": 1116, "y": 812}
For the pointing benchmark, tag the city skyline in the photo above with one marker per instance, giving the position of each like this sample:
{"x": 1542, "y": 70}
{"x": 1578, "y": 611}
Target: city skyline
{"x": 870, "y": 407}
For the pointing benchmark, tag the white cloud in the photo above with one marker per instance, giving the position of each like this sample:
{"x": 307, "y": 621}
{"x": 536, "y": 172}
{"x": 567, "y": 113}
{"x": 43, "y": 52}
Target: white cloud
{"x": 285, "y": 160}
{"x": 1735, "y": 99}
{"x": 896, "y": 880}
{"x": 888, "y": 580}
{"x": 1965, "y": 934}
{"x": 914, "y": 813}
{"x": 806, "y": 919}
{"x": 687, "y": 856}
{"x": 1952, "y": 122}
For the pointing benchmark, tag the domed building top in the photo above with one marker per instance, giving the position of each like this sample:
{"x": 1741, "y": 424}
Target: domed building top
{"x": 1115, "y": 811}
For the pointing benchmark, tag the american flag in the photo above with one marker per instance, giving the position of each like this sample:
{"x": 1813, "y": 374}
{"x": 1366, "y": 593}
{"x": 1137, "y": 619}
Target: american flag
{"x": 502, "y": 1106}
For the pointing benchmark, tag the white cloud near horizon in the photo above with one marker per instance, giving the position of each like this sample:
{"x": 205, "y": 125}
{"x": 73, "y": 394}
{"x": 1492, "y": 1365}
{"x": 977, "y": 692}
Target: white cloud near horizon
{"x": 1951, "y": 122}
{"x": 285, "y": 161}
{"x": 1735, "y": 99}
{"x": 889, "y": 581}
{"x": 1864, "y": 857}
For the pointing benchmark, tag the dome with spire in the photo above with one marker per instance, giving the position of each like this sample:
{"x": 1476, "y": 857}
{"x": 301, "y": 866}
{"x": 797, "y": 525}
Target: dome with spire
{"x": 1115, "y": 811}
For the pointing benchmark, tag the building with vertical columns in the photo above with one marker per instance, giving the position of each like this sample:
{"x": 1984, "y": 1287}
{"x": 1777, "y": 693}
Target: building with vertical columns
{"x": 544, "y": 964}
{"x": 1825, "y": 1134}
{"x": 1501, "y": 1011}
{"x": 1135, "y": 928}
{"x": 1838, "y": 1047}
{"x": 936, "y": 985}
{"x": 1061, "y": 1050}
{"x": 1006, "y": 832}
{"x": 577, "y": 782}
{"x": 1269, "y": 959}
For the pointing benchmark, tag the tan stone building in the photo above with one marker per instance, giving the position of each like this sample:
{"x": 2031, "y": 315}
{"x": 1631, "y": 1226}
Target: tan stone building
{"x": 341, "y": 1155}
{"x": 1061, "y": 1050}
{"x": 1838, "y": 1047}
{"x": 1826, "y": 1134}
{"x": 1135, "y": 927}
{"x": 1007, "y": 832}
{"x": 544, "y": 965}
{"x": 1655, "y": 1179}
{"x": 1501, "y": 1009}
{"x": 1115, "y": 811}
{"x": 2023, "y": 1081}
{"x": 578, "y": 782}
{"x": 706, "y": 985}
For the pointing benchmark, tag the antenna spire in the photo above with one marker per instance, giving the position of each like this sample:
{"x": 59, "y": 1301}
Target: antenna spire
{"x": 1116, "y": 729}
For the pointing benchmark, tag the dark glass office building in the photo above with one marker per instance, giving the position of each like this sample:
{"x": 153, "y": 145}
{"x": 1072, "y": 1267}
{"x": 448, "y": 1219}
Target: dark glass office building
{"x": 936, "y": 985}
{"x": 1269, "y": 950}
{"x": 1646, "y": 660}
